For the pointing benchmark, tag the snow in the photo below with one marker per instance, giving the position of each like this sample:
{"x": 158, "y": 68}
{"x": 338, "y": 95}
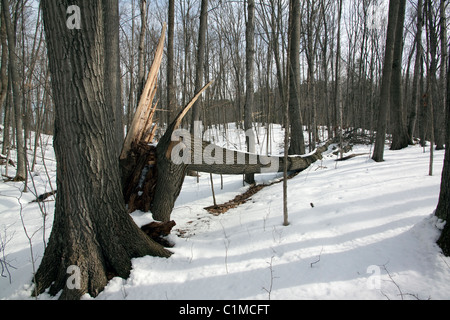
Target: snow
{"x": 358, "y": 230}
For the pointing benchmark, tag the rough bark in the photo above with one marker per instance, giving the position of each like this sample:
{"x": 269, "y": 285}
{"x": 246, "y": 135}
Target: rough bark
{"x": 112, "y": 68}
{"x": 443, "y": 207}
{"x": 92, "y": 229}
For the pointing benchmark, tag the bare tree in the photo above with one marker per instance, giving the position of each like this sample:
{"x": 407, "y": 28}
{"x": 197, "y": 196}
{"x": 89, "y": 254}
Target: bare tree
{"x": 171, "y": 97}
{"x": 400, "y": 138}
{"x": 443, "y": 207}
{"x": 339, "y": 107}
{"x": 249, "y": 100}
{"x": 416, "y": 88}
{"x": 196, "y": 109}
{"x": 297, "y": 145}
{"x": 378, "y": 153}
{"x": 21, "y": 172}
{"x": 4, "y": 62}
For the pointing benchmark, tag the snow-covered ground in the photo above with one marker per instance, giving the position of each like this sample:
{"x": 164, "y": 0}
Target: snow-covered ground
{"x": 358, "y": 230}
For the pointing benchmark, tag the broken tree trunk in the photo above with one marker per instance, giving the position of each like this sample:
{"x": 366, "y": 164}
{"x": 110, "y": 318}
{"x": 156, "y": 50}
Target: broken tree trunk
{"x": 204, "y": 157}
{"x": 153, "y": 174}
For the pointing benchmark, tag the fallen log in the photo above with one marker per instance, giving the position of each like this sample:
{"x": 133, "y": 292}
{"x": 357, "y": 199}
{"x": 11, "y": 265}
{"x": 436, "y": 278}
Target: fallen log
{"x": 153, "y": 174}
{"x": 351, "y": 156}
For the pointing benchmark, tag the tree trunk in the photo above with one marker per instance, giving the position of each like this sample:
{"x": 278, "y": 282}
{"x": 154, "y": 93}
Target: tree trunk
{"x": 443, "y": 207}
{"x": 440, "y": 110}
{"x": 143, "y": 32}
{"x": 339, "y": 107}
{"x": 416, "y": 88}
{"x": 196, "y": 109}
{"x": 249, "y": 100}
{"x": 297, "y": 146}
{"x": 399, "y": 130}
{"x": 214, "y": 160}
{"x": 4, "y": 63}
{"x": 437, "y": 118}
{"x": 113, "y": 86}
{"x": 92, "y": 230}
{"x": 378, "y": 152}
{"x": 171, "y": 96}
{"x": 21, "y": 171}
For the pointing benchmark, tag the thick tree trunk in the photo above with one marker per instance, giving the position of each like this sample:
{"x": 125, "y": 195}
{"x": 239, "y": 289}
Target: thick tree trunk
{"x": 443, "y": 207}
{"x": 92, "y": 231}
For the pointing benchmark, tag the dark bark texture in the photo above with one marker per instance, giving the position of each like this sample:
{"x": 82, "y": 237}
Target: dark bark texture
{"x": 443, "y": 207}
{"x": 91, "y": 228}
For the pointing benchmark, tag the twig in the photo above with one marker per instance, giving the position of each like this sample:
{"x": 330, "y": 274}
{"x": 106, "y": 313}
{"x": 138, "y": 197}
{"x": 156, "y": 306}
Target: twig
{"x": 30, "y": 238}
{"x": 317, "y": 259}
{"x": 226, "y": 241}
{"x": 269, "y": 291}
{"x": 3, "y": 262}
{"x": 401, "y": 294}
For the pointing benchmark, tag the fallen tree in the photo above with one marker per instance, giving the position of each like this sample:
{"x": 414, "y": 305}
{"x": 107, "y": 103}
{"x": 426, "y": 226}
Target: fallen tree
{"x": 153, "y": 174}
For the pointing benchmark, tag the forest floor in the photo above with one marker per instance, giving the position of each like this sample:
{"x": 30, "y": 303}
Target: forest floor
{"x": 358, "y": 230}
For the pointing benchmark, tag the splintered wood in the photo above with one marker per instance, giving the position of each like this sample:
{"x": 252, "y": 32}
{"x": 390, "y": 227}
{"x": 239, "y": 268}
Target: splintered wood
{"x": 138, "y": 156}
{"x": 142, "y": 128}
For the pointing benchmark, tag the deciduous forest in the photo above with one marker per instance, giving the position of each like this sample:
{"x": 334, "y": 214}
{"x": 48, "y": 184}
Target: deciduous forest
{"x": 117, "y": 115}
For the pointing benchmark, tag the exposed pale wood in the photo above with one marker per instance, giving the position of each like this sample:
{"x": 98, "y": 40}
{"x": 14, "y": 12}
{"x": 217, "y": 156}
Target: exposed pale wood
{"x": 189, "y": 106}
{"x": 147, "y": 96}
{"x": 181, "y": 115}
